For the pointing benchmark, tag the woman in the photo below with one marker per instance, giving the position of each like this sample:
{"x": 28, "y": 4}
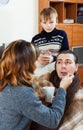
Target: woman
{"x": 18, "y": 103}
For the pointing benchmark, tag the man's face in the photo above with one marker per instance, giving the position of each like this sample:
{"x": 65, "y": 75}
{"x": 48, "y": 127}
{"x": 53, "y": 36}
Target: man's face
{"x": 49, "y": 24}
{"x": 65, "y": 65}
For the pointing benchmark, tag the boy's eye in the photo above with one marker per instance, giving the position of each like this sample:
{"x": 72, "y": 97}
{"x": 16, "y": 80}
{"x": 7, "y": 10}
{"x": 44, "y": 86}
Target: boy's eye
{"x": 48, "y": 23}
{"x": 44, "y": 22}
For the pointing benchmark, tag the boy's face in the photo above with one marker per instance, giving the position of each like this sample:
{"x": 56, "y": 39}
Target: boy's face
{"x": 65, "y": 65}
{"x": 48, "y": 24}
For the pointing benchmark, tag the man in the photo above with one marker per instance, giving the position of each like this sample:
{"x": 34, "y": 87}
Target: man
{"x": 67, "y": 64}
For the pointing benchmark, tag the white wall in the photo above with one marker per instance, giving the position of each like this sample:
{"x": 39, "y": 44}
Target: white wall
{"x": 18, "y": 20}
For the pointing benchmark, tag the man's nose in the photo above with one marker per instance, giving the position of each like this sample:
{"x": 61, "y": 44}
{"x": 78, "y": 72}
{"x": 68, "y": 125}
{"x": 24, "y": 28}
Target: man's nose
{"x": 63, "y": 65}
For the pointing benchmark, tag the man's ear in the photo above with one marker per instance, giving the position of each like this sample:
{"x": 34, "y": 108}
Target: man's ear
{"x": 76, "y": 67}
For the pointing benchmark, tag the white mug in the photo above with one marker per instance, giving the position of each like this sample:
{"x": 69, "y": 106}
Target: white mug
{"x": 49, "y": 93}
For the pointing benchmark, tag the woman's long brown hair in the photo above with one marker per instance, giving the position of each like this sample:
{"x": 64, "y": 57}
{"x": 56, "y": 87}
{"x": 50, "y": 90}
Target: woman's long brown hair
{"x": 17, "y": 63}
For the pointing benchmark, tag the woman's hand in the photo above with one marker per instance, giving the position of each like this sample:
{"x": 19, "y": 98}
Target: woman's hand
{"x": 66, "y": 81}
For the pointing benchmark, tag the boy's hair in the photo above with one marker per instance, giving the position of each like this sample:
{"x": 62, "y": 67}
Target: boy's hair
{"x": 47, "y": 13}
{"x": 69, "y": 52}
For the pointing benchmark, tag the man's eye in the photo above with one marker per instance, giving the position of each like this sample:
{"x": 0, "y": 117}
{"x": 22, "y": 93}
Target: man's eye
{"x": 58, "y": 62}
{"x": 68, "y": 62}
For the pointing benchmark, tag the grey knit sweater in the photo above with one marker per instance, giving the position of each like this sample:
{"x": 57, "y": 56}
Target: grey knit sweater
{"x": 19, "y": 106}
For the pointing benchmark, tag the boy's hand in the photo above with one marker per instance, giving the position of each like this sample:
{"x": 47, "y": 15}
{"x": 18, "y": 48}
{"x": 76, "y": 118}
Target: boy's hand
{"x": 45, "y": 58}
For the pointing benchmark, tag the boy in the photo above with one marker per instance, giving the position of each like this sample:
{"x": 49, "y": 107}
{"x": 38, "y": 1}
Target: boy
{"x": 51, "y": 40}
